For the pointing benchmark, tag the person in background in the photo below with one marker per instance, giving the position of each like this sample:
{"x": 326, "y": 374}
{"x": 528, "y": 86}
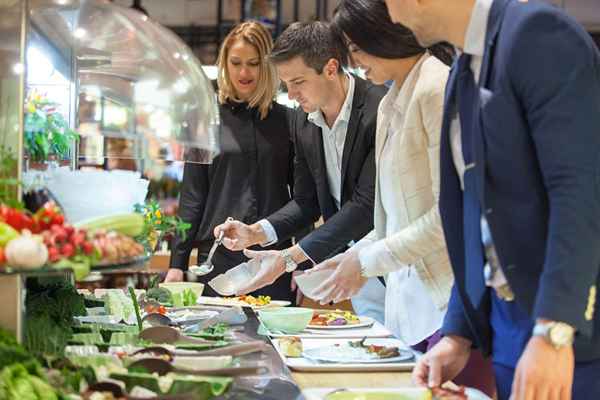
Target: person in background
{"x": 519, "y": 199}
{"x": 407, "y": 246}
{"x": 250, "y": 178}
{"x": 334, "y": 136}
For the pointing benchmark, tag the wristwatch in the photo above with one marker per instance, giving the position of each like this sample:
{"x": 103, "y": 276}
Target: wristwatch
{"x": 290, "y": 264}
{"x": 558, "y": 334}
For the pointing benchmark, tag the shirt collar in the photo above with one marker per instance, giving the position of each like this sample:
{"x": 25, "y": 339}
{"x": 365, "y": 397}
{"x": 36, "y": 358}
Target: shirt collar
{"x": 477, "y": 28}
{"x": 317, "y": 117}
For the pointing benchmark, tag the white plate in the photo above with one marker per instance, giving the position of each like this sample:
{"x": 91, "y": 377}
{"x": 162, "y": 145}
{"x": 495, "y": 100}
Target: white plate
{"x": 364, "y": 322}
{"x": 306, "y": 365}
{"x": 345, "y": 354}
{"x": 220, "y": 301}
{"x": 377, "y": 330}
{"x": 409, "y": 393}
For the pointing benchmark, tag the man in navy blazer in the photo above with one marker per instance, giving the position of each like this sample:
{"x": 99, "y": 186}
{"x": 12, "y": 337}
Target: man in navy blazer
{"x": 520, "y": 194}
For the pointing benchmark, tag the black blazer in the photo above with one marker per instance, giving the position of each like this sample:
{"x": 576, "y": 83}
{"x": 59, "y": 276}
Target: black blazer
{"x": 312, "y": 197}
{"x": 248, "y": 180}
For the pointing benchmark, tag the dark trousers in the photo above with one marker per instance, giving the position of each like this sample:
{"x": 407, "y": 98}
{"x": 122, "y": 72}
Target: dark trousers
{"x": 512, "y": 330}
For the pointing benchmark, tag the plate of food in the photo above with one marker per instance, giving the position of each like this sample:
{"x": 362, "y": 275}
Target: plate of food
{"x": 339, "y": 320}
{"x": 255, "y": 302}
{"x": 359, "y": 352}
{"x": 460, "y": 393}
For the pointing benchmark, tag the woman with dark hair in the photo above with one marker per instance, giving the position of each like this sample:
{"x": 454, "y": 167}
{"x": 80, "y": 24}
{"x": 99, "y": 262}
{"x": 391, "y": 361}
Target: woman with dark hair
{"x": 407, "y": 246}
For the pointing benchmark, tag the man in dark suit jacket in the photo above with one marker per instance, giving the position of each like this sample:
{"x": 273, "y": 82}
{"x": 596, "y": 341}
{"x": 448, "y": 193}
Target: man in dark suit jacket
{"x": 520, "y": 176}
{"x": 334, "y": 169}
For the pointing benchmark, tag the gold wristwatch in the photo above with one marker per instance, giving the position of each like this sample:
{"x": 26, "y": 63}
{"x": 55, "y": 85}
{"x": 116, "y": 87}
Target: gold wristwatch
{"x": 558, "y": 334}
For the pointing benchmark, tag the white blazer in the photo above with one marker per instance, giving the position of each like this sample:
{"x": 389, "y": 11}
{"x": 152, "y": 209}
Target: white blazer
{"x": 414, "y": 112}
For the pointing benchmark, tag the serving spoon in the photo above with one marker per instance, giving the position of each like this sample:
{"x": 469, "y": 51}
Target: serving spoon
{"x": 207, "y": 266}
{"x": 163, "y": 367}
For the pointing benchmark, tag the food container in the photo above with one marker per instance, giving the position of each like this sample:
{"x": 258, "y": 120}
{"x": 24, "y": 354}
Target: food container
{"x": 307, "y": 283}
{"x": 286, "y": 319}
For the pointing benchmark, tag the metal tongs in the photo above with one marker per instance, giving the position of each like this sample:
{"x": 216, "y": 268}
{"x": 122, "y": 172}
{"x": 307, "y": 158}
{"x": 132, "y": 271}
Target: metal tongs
{"x": 207, "y": 266}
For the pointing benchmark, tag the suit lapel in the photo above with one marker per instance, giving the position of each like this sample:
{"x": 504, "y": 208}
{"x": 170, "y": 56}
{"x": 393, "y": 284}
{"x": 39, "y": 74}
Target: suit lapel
{"x": 450, "y": 203}
{"x": 353, "y": 124}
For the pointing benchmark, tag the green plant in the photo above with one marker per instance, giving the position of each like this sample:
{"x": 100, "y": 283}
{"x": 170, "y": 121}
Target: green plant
{"x": 157, "y": 224}
{"x": 46, "y": 130}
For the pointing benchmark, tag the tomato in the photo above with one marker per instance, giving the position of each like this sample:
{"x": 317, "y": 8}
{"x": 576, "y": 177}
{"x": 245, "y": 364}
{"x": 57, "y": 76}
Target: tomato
{"x": 58, "y": 219}
{"x": 2, "y": 256}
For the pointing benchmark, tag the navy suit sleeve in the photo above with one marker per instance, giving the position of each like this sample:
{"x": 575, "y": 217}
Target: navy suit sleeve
{"x": 455, "y": 321}
{"x": 555, "y": 74}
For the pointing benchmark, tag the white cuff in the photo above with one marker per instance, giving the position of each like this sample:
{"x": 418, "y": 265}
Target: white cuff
{"x": 377, "y": 260}
{"x": 306, "y": 254}
{"x": 269, "y": 232}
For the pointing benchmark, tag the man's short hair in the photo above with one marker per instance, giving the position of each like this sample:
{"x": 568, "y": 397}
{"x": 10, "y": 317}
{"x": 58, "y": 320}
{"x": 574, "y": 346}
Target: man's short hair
{"x": 315, "y": 42}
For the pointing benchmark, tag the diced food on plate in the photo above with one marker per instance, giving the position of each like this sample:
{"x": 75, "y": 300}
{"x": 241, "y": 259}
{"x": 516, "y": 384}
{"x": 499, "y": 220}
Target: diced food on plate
{"x": 291, "y": 346}
{"x": 334, "y": 318}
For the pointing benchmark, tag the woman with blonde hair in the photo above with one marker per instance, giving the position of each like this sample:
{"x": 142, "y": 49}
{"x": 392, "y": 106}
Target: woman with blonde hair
{"x": 250, "y": 178}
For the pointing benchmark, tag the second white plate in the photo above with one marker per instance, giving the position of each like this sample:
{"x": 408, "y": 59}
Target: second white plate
{"x": 364, "y": 322}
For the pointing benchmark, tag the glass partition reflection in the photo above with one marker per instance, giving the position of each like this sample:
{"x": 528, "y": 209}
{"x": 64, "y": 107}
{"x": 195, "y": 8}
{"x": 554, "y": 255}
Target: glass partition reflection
{"x": 134, "y": 93}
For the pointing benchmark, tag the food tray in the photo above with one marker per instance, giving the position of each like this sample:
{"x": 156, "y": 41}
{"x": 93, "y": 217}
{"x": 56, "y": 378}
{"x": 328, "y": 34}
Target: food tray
{"x": 304, "y": 365}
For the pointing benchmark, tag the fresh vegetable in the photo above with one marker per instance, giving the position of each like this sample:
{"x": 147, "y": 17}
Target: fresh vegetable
{"x": 17, "y": 384}
{"x": 118, "y": 304}
{"x": 47, "y": 216}
{"x": 27, "y": 251}
{"x": 136, "y": 308}
{"x": 115, "y": 247}
{"x": 80, "y": 265}
{"x": 50, "y": 308}
{"x": 189, "y": 297}
{"x": 131, "y": 224}
{"x": 7, "y": 233}
{"x": 7, "y": 337}
{"x": 18, "y": 219}
{"x": 161, "y": 295}
{"x": 204, "y": 387}
{"x": 155, "y": 309}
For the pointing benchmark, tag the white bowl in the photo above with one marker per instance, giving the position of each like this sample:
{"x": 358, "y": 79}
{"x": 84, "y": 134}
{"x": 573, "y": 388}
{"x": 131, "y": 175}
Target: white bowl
{"x": 230, "y": 282}
{"x": 307, "y": 283}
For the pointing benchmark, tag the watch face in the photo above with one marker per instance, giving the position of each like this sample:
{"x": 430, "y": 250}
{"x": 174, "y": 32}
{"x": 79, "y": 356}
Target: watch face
{"x": 561, "y": 335}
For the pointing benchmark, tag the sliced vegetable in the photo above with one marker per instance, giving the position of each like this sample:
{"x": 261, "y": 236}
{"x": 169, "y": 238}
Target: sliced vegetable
{"x": 131, "y": 224}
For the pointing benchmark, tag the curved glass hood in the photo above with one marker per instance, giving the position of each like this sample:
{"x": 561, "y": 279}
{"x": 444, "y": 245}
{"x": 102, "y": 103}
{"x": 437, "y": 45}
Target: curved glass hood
{"x": 130, "y": 87}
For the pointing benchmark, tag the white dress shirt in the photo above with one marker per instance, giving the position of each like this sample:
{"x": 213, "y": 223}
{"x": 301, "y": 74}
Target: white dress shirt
{"x": 475, "y": 46}
{"x": 333, "y": 146}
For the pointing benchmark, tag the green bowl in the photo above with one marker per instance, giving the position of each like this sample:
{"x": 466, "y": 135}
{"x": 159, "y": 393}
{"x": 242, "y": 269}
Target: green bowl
{"x": 286, "y": 319}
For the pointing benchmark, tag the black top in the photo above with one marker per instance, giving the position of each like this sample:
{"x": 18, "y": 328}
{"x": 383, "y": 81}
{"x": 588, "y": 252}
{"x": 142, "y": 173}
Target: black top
{"x": 248, "y": 180}
{"x": 312, "y": 195}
